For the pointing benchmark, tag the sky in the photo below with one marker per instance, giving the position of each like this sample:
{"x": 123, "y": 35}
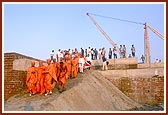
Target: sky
{"x": 35, "y": 29}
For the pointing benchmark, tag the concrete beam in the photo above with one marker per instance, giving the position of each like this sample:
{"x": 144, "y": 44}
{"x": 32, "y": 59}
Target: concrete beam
{"x": 23, "y": 64}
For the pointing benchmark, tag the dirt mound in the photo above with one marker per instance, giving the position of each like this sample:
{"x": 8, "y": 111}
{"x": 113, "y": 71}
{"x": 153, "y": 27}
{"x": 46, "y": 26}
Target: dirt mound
{"x": 88, "y": 92}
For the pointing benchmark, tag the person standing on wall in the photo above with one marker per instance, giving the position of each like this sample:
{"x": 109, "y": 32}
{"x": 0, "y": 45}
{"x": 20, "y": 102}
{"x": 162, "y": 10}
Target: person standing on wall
{"x": 124, "y": 51}
{"x": 115, "y": 52}
{"x": 89, "y": 51}
{"x": 99, "y": 54}
{"x": 85, "y": 52}
{"x": 110, "y": 53}
{"x": 58, "y": 55}
{"x": 92, "y": 54}
{"x": 52, "y": 55}
{"x": 133, "y": 51}
{"x": 82, "y": 52}
{"x": 103, "y": 53}
{"x": 142, "y": 58}
{"x": 104, "y": 63}
{"x": 95, "y": 54}
{"x": 121, "y": 51}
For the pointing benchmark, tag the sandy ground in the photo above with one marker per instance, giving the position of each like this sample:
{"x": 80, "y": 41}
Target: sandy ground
{"x": 90, "y": 91}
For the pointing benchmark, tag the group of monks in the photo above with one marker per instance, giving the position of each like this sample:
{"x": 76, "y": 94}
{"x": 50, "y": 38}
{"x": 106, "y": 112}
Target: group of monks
{"x": 42, "y": 79}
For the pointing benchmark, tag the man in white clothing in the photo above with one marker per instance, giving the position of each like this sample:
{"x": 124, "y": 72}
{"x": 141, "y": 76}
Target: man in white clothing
{"x": 104, "y": 63}
{"x": 81, "y": 62}
{"x": 58, "y": 55}
{"x": 99, "y": 54}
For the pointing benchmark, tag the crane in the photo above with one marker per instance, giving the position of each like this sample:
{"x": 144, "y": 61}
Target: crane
{"x": 146, "y": 37}
{"x": 103, "y": 32}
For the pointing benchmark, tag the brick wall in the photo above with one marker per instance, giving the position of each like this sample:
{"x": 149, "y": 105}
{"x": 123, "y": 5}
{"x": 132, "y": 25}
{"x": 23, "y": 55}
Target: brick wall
{"x": 14, "y": 80}
{"x": 148, "y": 90}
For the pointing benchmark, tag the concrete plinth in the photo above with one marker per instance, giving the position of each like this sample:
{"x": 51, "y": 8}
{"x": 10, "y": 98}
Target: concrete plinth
{"x": 116, "y": 61}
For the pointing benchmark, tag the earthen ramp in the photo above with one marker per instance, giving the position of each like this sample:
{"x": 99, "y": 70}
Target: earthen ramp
{"x": 88, "y": 92}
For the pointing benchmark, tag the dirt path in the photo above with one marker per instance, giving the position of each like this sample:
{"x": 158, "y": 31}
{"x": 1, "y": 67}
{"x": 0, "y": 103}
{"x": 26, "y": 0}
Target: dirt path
{"x": 88, "y": 92}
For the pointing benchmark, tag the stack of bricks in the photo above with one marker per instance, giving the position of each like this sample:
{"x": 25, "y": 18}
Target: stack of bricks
{"x": 14, "y": 80}
{"x": 148, "y": 90}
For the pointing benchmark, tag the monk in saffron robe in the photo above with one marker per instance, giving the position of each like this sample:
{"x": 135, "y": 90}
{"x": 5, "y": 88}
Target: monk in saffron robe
{"x": 31, "y": 79}
{"x": 40, "y": 79}
{"x": 62, "y": 76}
{"x": 74, "y": 67}
{"x": 77, "y": 59}
{"x": 50, "y": 77}
{"x": 69, "y": 66}
{"x": 56, "y": 66}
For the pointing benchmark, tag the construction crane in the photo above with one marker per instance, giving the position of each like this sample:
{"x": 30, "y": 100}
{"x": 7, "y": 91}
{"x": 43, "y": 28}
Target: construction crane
{"x": 146, "y": 37}
{"x": 103, "y": 32}
{"x": 146, "y": 42}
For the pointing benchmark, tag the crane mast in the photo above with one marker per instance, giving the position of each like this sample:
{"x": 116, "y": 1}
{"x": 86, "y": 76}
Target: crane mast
{"x": 146, "y": 46}
{"x": 103, "y": 32}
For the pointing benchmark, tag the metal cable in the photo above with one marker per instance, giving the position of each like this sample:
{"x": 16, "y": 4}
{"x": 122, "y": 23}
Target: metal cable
{"x": 117, "y": 19}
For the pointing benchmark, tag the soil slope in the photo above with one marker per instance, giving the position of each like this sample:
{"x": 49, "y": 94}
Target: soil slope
{"x": 90, "y": 91}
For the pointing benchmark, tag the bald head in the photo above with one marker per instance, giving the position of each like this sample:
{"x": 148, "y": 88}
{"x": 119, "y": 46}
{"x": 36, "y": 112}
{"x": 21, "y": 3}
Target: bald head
{"x": 33, "y": 63}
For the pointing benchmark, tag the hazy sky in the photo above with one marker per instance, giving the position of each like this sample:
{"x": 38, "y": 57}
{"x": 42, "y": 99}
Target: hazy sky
{"x": 35, "y": 29}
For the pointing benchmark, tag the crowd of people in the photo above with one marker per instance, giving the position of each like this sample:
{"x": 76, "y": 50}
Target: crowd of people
{"x": 97, "y": 54}
{"x": 42, "y": 79}
{"x": 123, "y": 51}
{"x": 65, "y": 64}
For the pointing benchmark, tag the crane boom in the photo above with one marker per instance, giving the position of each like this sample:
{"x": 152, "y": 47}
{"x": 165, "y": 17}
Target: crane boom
{"x": 155, "y": 31}
{"x": 103, "y": 32}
